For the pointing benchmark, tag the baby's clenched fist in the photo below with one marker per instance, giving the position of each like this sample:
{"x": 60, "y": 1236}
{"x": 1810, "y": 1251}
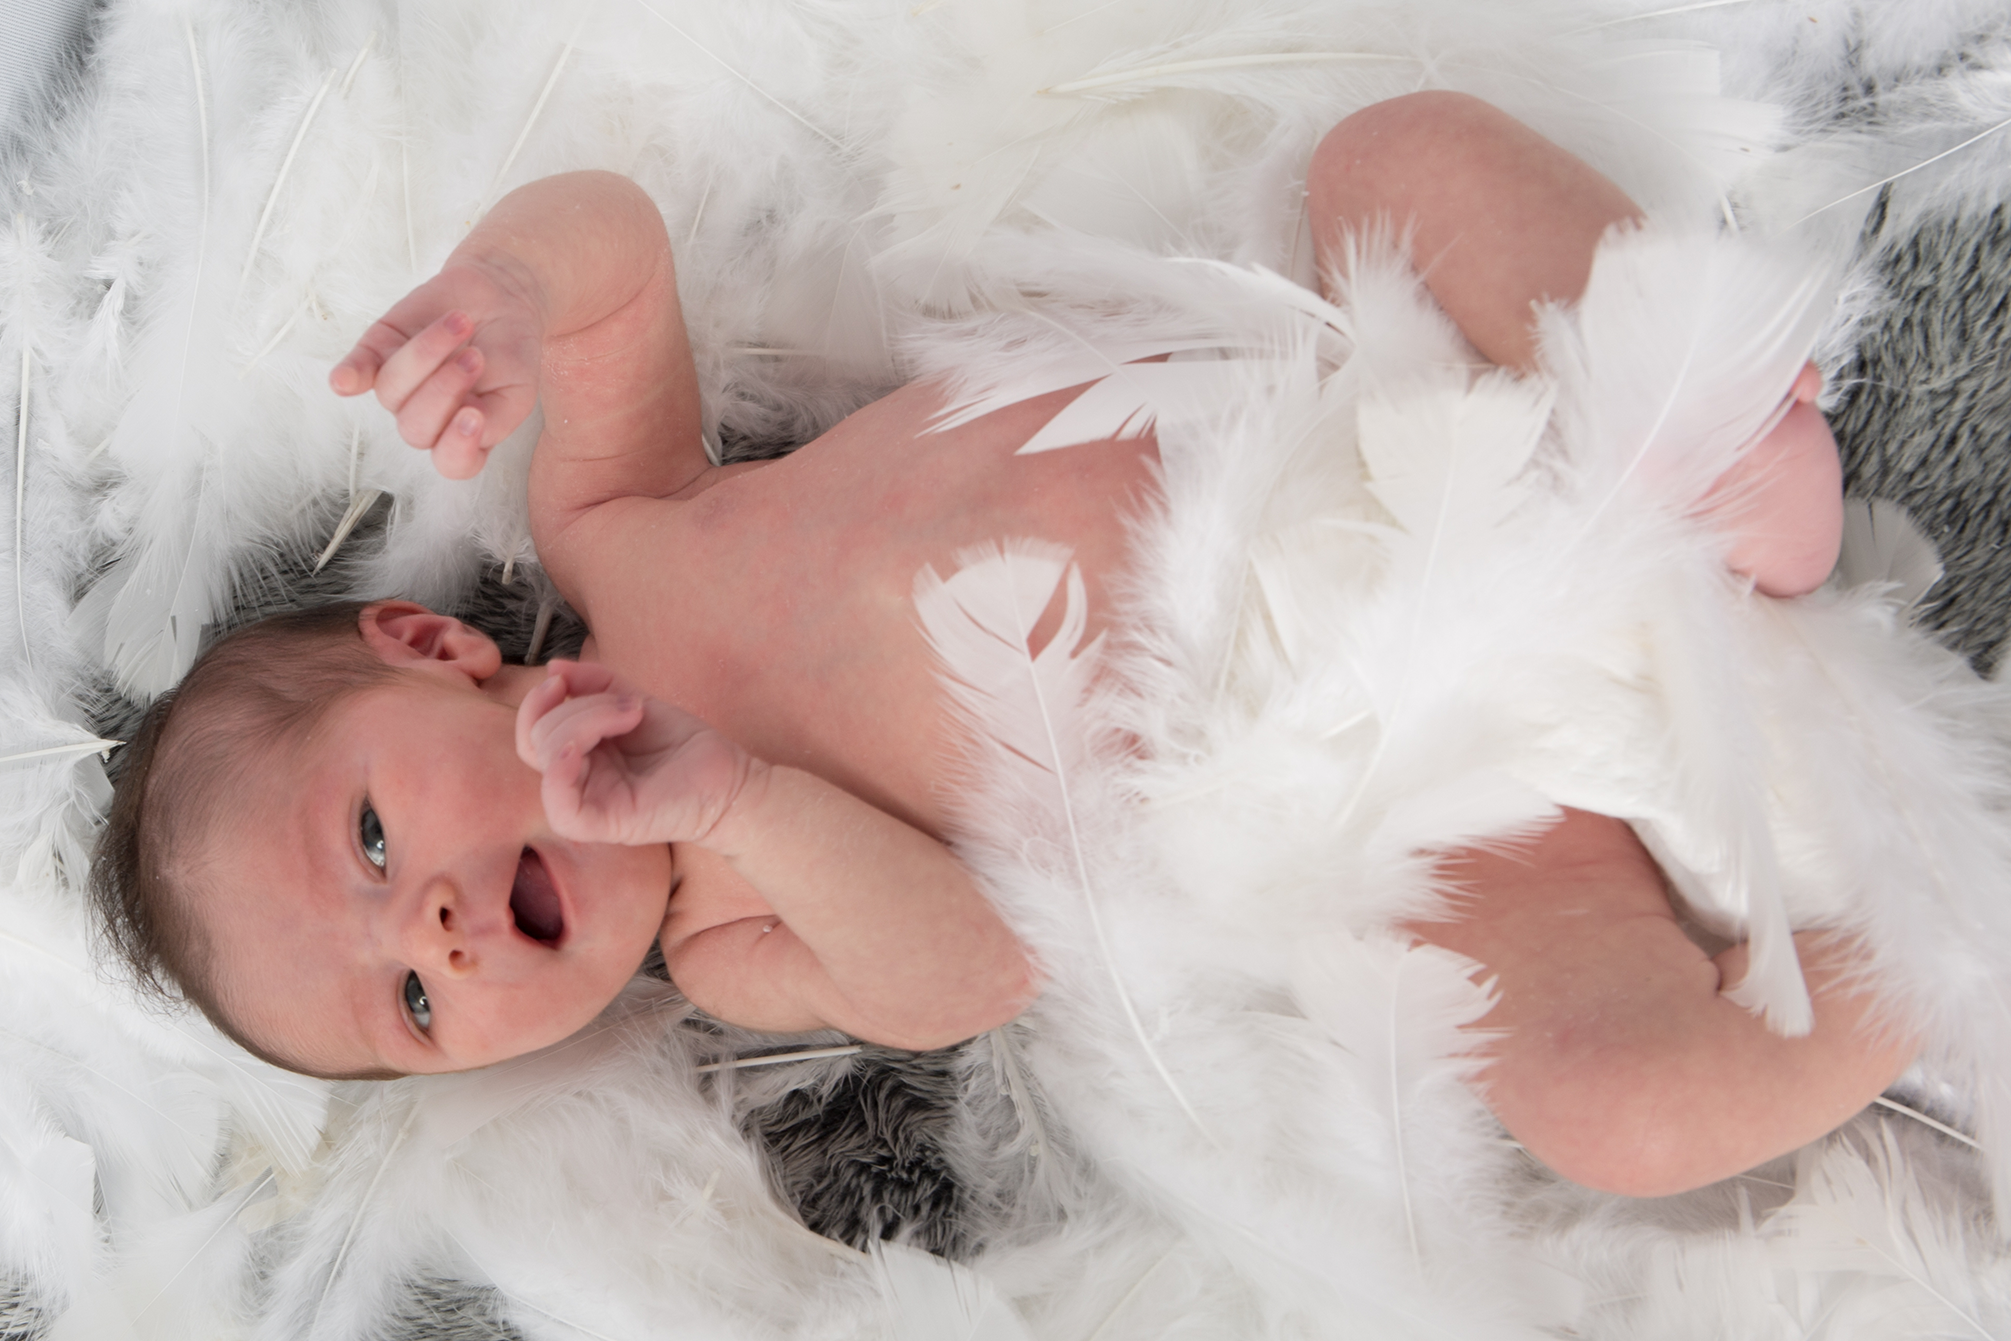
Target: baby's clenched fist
{"x": 621, "y": 767}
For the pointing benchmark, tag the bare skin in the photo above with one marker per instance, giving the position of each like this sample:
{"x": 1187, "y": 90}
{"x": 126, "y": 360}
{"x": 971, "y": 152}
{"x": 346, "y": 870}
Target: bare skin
{"x": 773, "y": 601}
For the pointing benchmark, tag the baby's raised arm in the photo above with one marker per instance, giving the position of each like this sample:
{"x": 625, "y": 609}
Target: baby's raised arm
{"x": 564, "y": 292}
{"x": 820, "y": 911}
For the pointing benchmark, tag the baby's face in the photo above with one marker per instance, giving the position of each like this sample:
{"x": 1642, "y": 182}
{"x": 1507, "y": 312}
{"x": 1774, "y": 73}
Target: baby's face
{"x": 393, "y": 899}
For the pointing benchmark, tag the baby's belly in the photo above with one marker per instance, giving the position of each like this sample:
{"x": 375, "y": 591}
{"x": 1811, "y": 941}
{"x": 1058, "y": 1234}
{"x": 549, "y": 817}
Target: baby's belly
{"x": 811, "y": 653}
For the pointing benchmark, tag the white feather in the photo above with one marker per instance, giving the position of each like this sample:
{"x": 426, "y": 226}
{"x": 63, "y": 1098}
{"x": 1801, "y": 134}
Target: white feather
{"x": 1021, "y": 708}
{"x": 1882, "y": 546}
{"x": 1402, "y": 1013}
{"x": 929, "y": 1299}
{"x": 1861, "y": 1213}
{"x": 1680, "y": 352}
{"x": 1447, "y": 460}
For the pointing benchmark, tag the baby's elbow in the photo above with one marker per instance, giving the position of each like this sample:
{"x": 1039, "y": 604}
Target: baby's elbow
{"x": 1637, "y": 1133}
{"x": 1641, "y": 1158}
{"x": 1000, "y": 998}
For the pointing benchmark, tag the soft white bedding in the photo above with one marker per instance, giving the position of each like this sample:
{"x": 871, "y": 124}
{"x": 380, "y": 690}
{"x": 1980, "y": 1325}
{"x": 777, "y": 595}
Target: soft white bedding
{"x": 1240, "y": 1108}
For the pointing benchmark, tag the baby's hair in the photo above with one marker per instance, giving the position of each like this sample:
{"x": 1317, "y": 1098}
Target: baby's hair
{"x": 258, "y": 690}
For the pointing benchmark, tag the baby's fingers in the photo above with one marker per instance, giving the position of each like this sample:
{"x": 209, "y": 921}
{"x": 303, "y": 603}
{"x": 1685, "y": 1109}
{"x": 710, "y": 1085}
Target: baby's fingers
{"x": 437, "y": 415}
{"x": 413, "y": 357}
{"x": 585, "y": 788}
{"x": 357, "y": 372}
{"x": 564, "y": 680}
{"x": 574, "y": 728}
{"x": 545, "y": 696}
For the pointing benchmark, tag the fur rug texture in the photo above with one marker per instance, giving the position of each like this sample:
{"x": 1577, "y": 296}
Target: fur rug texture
{"x": 1391, "y": 604}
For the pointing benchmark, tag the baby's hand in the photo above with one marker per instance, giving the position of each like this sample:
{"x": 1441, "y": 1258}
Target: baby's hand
{"x": 620, "y": 767}
{"x": 456, "y": 360}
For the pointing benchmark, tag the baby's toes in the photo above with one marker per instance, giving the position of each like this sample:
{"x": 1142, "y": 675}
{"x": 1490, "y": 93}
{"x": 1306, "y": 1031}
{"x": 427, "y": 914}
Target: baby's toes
{"x": 1783, "y": 505}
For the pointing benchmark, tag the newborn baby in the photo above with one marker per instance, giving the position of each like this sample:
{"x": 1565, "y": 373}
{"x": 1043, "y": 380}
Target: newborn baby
{"x": 366, "y": 847}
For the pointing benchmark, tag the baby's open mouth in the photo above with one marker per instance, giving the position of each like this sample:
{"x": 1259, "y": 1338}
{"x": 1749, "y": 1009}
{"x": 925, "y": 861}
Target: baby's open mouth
{"x": 533, "y": 901}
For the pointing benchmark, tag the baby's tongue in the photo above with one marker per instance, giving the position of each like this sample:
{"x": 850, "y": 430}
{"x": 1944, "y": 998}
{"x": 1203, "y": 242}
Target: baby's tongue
{"x": 534, "y": 902}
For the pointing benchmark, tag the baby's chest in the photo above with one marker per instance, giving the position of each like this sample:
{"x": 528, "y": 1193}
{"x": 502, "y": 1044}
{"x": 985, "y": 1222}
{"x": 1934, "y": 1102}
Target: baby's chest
{"x": 786, "y": 616}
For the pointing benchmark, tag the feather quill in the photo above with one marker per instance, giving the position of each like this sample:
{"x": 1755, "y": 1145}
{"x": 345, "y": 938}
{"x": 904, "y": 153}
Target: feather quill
{"x": 1447, "y": 460}
{"x": 21, "y": 496}
{"x": 351, "y": 515}
{"x": 154, "y": 602}
{"x": 1019, "y": 706}
{"x": 531, "y": 120}
{"x": 744, "y": 78}
{"x": 279, "y": 179}
{"x": 82, "y": 747}
{"x": 1888, "y": 180}
{"x": 777, "y": 1058}
{"x": 356, "y": 1219}
{"x": 283, "y": 1112}
{"x": 226, "y": 1218}
{"x": 356, "y": 65}
{"x": 1404, "y": 1015}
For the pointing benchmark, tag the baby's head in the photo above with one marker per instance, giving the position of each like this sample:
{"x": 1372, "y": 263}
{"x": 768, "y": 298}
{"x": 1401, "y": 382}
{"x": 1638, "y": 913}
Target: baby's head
{"x": 325, "y": 840}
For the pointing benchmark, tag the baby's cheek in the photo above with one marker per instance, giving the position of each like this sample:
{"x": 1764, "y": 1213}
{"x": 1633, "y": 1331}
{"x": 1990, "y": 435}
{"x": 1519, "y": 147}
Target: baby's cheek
{"x": 632, "y": 893}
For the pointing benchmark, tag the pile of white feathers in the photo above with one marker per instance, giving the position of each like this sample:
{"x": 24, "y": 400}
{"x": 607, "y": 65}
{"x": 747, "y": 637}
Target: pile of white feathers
{"x": 1393, "y": 603}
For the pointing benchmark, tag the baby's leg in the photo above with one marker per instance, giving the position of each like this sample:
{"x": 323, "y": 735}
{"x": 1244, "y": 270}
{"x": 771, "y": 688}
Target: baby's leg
{"x": 1622, "y": 1066}
{"x": 1502, "y": 219}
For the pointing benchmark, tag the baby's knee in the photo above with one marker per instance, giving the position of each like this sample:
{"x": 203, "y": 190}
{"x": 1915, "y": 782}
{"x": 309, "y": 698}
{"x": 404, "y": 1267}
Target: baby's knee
{"x": 1356, "y": 159}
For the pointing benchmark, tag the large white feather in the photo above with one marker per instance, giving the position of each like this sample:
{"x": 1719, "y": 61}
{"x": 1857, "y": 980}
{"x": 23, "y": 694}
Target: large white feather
{"x": 1022, "y": 706}
{"x": 929, "y": 1299}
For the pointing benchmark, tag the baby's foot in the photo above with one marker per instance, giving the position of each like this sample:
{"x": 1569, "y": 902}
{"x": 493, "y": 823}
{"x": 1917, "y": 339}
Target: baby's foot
{"x": 1783, "y": 501}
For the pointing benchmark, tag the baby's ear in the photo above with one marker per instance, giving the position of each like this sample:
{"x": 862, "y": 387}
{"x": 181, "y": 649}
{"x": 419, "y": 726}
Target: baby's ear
{"x": 404, "y": 634}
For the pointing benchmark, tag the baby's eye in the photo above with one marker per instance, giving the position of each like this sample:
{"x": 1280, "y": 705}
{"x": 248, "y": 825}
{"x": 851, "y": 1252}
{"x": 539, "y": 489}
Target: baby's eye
{"x": 371, "y": 830}
{"x": 416, "y": 1004}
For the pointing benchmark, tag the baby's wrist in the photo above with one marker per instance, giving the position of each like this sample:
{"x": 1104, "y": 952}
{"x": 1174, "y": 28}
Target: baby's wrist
{"x": 510, "y": 281}
{"x": 746, "y": 814}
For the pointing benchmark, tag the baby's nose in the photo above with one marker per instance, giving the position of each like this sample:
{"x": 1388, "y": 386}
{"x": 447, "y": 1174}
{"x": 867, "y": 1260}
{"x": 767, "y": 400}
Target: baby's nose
{"x": 449, "y": 932}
